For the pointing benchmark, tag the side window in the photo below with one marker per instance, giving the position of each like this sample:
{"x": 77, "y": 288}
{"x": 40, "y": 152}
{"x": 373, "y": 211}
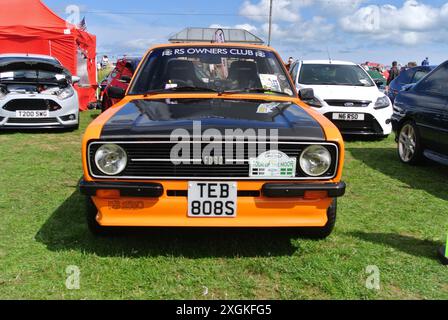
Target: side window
{"x": 436, "y": 83}
{"x": 406, "y": 76}
{"x": 419, "y": 75}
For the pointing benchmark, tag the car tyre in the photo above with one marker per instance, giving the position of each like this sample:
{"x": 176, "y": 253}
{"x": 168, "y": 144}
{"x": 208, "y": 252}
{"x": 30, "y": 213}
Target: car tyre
{"x": 320, "y": 233}
{"x": 410, "y": 149}
{"x": 94, "y": 227}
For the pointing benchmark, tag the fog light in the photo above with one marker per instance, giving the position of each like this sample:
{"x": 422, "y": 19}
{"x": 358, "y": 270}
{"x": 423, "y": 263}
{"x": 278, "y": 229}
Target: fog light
{"x": 72, "y": 117}
{"x": 314, "y": 195}
{"x": 108, "y": 194}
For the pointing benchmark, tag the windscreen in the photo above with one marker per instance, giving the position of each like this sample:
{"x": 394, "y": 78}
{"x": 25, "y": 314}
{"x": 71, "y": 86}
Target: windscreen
{"x": 336, "y": 75}
{"x": 31, "y": 76}
{"x": 210, "y": 69}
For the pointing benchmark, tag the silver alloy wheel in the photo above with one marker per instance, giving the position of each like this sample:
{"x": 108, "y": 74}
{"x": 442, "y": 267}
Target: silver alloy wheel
{"x": 407, "y": 143}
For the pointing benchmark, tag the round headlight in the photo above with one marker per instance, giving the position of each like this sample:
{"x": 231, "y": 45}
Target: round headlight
{"x": 315, "y": 160}
{"x": 111, "y": 159}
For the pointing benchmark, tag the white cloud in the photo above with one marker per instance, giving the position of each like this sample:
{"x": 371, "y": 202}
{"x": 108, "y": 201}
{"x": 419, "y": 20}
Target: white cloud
{"x": 339, "y": 7}
{"x": 283, "y": 10}
{"x": 245, "y": 26}
{"x": 316, "y": 30}
{"x": 412, "y": 23}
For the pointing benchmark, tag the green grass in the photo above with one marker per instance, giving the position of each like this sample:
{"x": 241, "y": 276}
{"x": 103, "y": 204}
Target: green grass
{"x": 393, "y": 216}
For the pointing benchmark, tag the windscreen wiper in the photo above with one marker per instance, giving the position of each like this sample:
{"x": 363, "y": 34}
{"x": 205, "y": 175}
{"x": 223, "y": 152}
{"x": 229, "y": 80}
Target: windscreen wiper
{"x": 180, "y": 89}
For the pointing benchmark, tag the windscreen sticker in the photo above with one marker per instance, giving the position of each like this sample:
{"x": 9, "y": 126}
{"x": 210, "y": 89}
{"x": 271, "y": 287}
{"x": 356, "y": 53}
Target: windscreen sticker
{"x": 213, "y": 51}
{"x": 270, "y": 82}
{"x": 266, "y": 108}
{"x": 288, "y": 91}
{"x": 273, "y": 164}
{"x": 170, "y": 86}
{"x": 6, "y": 75}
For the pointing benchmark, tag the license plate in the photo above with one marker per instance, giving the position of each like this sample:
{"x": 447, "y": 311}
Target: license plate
{"x": 349, "y": 116}
{"x": 212, "y": 199}
{"x": 32, "y": 114}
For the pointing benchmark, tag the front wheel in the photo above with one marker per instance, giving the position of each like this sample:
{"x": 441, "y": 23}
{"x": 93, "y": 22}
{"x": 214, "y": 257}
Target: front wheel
{"x": 324, "y": 232}
{"x": 409, "y": 146}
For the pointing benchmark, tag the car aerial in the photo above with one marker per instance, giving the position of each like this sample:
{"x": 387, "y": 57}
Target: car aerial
{"x": 420, "y": 119}
{"x": 406, "y": 78}
{"x": 212, "y": 135}
{"x": 119, "y": 78}
{"x": 345, "y": 94}
{"x": 36, "y": 92}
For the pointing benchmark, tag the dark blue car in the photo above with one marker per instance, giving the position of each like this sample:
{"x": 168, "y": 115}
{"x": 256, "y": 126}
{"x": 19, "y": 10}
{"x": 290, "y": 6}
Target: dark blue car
{"x": 406, "y": 78}
{"x": 420, "y": 119}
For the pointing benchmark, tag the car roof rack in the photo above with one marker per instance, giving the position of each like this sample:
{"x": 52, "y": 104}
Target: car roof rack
{"x": 208, "y": 35}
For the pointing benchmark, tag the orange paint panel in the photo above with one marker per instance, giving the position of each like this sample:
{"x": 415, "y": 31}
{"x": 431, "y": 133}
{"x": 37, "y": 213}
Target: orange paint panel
{"x": 172, "y": 212}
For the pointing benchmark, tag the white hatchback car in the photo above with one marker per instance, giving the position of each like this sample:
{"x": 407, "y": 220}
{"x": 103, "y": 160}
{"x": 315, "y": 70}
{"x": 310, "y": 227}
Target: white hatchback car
{"x": 36, "y": 92}
{"x": 346, "y": 94}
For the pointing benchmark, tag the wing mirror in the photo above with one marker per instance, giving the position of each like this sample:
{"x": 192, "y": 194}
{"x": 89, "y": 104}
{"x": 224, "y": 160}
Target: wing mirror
{"x": 125, "y": 79}
{"x": 306, "y": 94}
{"x": 116, "y": 93}
{"x": 379, "y": 82}
{"x": 75, "y": 79}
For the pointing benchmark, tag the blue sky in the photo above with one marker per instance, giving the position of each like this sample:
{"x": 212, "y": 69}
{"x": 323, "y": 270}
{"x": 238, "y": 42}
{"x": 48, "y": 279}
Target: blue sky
{"x": 357, "y": 30}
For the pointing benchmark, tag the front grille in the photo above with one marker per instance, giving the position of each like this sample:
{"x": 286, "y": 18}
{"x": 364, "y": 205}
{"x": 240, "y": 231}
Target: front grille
{"x": 32, "y": 120}
{"x": 369, "y": 126}
{"x": 152, "y": 161}
{"x": 32, "y": 105}
{"x": 349, "y": 103}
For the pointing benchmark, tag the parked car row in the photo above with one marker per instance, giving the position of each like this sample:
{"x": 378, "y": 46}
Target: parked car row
{"x": 268, "y": 150}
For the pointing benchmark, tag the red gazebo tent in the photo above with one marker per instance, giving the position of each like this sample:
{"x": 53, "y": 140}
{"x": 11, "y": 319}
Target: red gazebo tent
{"x": 29, "y": 26}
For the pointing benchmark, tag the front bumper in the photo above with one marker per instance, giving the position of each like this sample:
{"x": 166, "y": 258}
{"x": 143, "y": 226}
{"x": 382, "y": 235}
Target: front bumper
{"x": 64, "y": 118}
{"x": 376, "y": 122}
{"x": 165, "y": 204}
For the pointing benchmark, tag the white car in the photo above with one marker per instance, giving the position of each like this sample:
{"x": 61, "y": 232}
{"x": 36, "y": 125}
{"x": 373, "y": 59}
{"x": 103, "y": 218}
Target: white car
{"x": 36, "y": 92}
{"x": 346, "y": 94}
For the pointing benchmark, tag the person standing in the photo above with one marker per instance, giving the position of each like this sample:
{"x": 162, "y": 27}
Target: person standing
{"x": 289, "y": 64}
{"x": 105, "y": 62}
{"x": 425, "y": 62}
{"x": 394, "y": 72}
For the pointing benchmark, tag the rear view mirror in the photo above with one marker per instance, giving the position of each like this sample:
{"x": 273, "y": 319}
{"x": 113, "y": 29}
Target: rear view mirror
{"x": 306, "y": 94}
{"x": 125, "y": 79}
{"x": 116, "y": 93}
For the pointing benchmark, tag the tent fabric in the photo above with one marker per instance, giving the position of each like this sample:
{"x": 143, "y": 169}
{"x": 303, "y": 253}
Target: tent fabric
{"x": 29, "y": 26}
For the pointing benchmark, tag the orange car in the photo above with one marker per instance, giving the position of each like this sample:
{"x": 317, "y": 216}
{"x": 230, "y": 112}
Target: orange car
{"x": 212, "y": 135}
